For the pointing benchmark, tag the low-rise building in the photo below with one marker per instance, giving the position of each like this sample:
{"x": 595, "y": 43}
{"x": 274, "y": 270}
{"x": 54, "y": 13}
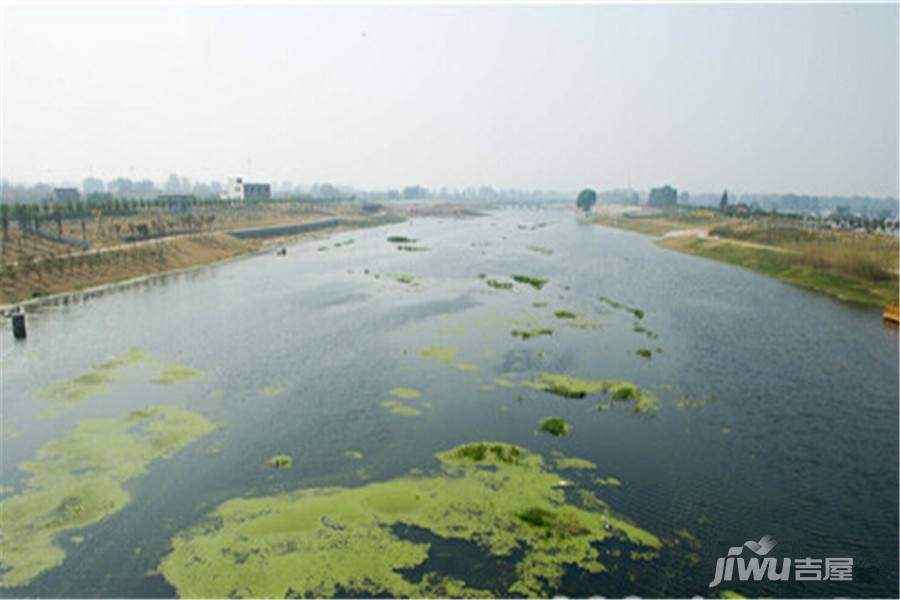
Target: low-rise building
{"x": 238, "y": 189}
{"x": 68, "y": 194}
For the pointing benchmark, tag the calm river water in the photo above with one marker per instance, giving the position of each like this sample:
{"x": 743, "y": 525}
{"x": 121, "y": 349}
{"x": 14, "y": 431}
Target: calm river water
{"x": 791, "y": 429}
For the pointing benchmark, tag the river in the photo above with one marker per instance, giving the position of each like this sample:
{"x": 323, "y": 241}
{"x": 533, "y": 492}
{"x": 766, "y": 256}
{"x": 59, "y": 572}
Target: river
{"x": 778, "y": 407}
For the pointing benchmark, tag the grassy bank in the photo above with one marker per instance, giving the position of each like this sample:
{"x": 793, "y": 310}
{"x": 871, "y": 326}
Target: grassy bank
{"x": 859, "y": 268}
{"x": 657, "y": 223}
{"x": 785, "y": 266}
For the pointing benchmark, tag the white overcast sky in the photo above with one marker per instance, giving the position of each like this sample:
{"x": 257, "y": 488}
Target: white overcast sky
{"x": 780, "y": 98}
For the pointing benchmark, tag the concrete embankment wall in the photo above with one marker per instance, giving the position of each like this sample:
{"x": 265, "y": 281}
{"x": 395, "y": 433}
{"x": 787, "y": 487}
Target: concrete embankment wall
{"x": 280, "y": 230}
{"x": 82, "y": 244}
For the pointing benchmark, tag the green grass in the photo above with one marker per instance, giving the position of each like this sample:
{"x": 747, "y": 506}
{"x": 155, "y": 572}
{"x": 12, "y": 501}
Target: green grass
{"x": 786, "y": 267}
{"x": 660, "y": 223}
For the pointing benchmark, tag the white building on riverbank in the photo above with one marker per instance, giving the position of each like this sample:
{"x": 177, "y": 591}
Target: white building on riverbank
{"x": 238, "y": 189}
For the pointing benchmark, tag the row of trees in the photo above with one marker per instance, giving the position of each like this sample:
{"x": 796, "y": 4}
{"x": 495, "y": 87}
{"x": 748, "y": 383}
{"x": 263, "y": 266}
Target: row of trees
{"x": 30, "y": 218}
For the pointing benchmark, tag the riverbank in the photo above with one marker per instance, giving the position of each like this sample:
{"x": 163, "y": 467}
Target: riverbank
{"x": 855, "y": 268}
{"x": 76, "y": 272}
{"x": 52, "y": 275}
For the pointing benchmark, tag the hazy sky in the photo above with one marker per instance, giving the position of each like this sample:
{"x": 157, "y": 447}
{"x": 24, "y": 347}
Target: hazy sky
{"x": 751, "y": 97}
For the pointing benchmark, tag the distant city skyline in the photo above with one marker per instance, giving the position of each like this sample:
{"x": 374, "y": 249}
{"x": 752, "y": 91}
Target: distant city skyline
{"x": 754, "y": 98}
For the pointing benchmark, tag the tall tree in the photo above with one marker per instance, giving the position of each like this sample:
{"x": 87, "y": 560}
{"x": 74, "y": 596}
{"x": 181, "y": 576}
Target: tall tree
{"x": 4, "y": 222}
{"x": 586, "y": 199}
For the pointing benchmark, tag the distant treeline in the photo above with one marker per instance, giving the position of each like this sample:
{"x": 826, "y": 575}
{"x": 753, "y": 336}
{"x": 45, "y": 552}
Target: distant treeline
{"x": 886, "y": 208}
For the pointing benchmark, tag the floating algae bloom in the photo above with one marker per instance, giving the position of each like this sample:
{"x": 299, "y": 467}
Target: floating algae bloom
{"x": 566, "y": 462}
{"x": 446, "y": 354}
{"x": 79, "y": 480}
{"x": 566, "y": 314}
{"x": 637, "y": 312}
{"x": 556, "y": 426}
{"x": 405, "y": 279}
{"x": 499, "y": 285}
{"x": 644, "y": 353}
{"x": 93, "y": 383}
{"x": 609, "y": 481}
{"x": 398, "y": 408}
{"x": 354, "y": 454}
{"x": 616, "y": 391}
{"x": 176, "y": 374}
{"x": 535, "y": 282}
{"x": 530, "y": 333}
{"x": 97, "y": 381}
{"x": 638, "y": 328}
{"x": 541, "y": 250}
{"x": 405, "y": 393}
{"x": 350, "y": 541}
{"x": 440, "y": 353}
{"x": 272, "y": 391}
{"x": 280, "y": 461}
{"x": 400, "y": 239}
{"x": 413, "y": 248}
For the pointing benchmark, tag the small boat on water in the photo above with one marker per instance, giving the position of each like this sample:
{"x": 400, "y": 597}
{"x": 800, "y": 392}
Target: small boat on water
{"x": 892, "y": 313}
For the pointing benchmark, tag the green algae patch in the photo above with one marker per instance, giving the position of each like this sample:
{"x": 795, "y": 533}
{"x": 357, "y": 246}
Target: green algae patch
{"x": 556, "y": 426}
{"x": 530, "y": 333}
{"x": 637, "y": 312}
{"x": 644, "y": 352}
{"x": 566, "y": 462}
{"x": 79, "y": 480}
{"x": 404, "y": 248}
{"x": 401, "y": 239}
{"x": 398, "y": 408}
{"x": 280, "y": 461}
{"x": 95, "y": 382}
{"x": 350, "y": 541}
{"x": 404, "y": 278}
{"x": 172, "y": 374}
{"x": 539, "y": 304}
{"x": 272, "y": 391}
{"x": 129, "y": 357}
{"x": 541, "y": 250}
{"x": 568, "y": 386}
{"x": 465, "y": 366}
{"x": 354, "y": 454}
{"x": 566, "y": 314}
{"x": 584, "y": 324}
{"x": 88, "y": 385}
{"x": 641, "y": 401}
{"x": 499, "y": 285}
{"x": 535, "y": 282}
{"x": 687, "y": 402}
{"x": 609, "y": 481}
{"x": 638, "y": 328}
{"x": 501, "y": 382}
{"x": 405, "y": 393}
{"x": 440, "y": 353}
